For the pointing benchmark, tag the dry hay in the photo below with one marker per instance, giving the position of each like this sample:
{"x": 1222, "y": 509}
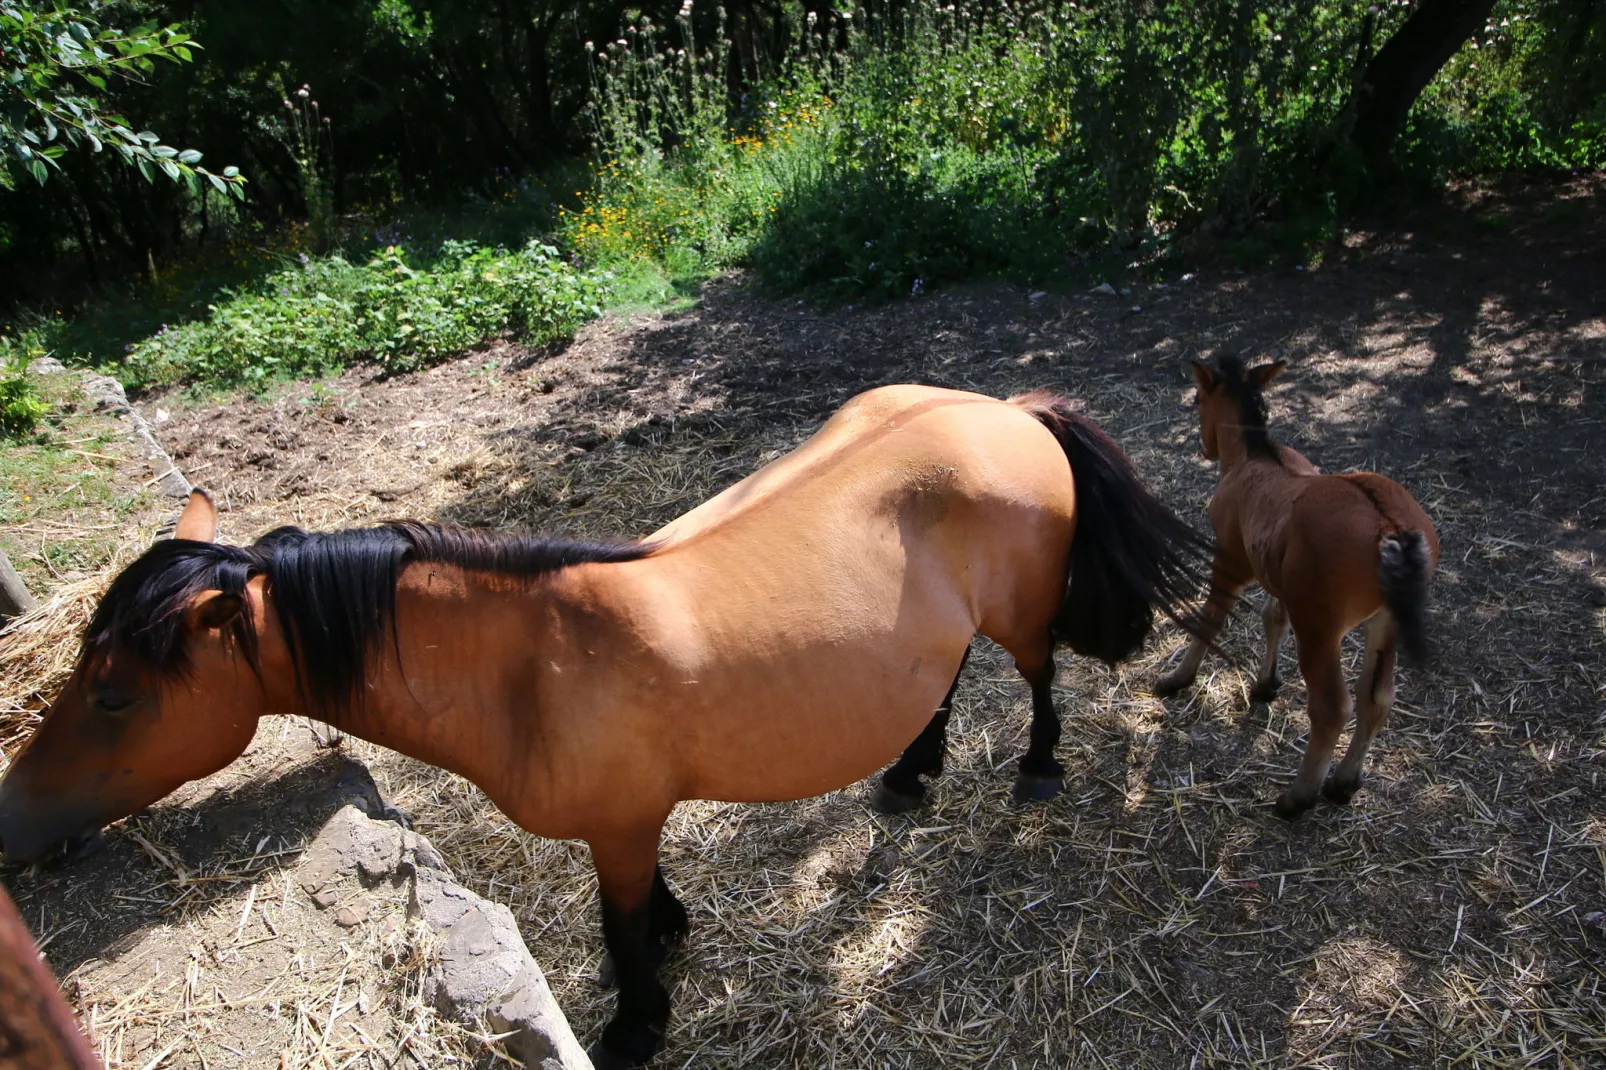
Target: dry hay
{"x": 1157, "y": 914}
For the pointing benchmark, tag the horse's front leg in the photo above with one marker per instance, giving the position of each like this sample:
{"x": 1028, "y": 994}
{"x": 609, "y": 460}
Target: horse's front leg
{"x": 627, "y": 875}
{"x": 1225, "y": 588}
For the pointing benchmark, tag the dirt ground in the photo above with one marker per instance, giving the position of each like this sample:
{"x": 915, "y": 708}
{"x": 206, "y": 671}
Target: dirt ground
{"x": 1157, "y": 914}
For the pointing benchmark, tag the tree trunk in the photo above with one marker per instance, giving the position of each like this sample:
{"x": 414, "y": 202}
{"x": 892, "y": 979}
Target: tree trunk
{"x": 14, "y": 597}
{"x": 1403, "y": 67}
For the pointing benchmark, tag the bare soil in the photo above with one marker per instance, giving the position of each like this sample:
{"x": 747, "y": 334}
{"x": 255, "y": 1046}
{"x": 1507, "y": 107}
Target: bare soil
{"x": 1157, "y": 914}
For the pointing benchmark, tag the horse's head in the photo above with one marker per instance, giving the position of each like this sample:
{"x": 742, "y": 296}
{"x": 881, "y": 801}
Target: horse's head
{"x": 166, "y": 689}
{"x": 1228, "y": 397}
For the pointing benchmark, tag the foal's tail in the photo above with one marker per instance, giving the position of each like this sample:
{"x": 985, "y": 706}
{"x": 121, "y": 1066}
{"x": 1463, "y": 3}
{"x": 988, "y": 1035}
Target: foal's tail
{"x": 1403, "y": 566}
{"x": 1130, "y": 556}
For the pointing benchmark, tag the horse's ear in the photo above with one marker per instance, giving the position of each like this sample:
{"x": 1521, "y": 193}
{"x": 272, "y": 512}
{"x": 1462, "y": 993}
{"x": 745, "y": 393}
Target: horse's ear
{"x": 198, "y": 521}
{"x": 1204, "y": 376}
{"x": 1267, "y": 372}
{"x": 212, "y": 609}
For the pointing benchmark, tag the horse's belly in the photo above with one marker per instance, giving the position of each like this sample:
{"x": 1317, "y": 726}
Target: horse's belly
{"x": 800, "y": 737}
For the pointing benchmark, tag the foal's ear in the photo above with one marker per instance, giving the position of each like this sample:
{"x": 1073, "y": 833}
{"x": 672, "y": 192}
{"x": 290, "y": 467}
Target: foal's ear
{"x": 198, "y": 521}
{"x": 1204, "y": 375}
{"x": 1267, "y": 372}
{"x": 212, "y": 610}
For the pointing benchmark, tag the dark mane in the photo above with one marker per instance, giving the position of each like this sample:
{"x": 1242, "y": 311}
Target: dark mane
{"x": 1251, "y": 408}
{"x": 334, "y": 593}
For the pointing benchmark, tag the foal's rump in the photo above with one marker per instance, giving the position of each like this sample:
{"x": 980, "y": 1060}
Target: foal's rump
{"x": 1359, "y": 543}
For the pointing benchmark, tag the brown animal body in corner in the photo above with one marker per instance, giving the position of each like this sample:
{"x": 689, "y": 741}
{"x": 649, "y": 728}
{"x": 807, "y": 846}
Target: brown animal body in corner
{"x": 786, "y": 638}
{"x": 38, "y": 1030}
{"x": 1331, "y": 551}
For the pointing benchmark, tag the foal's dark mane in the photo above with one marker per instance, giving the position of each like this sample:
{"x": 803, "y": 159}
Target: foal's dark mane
{"x": 334, "y": 593}
{"x": 1252, "y": 414}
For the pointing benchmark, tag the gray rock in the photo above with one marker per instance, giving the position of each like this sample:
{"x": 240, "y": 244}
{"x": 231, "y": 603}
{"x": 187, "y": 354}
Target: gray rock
{"x": 107, "y": 395}
{"x": 46, "y": 366}
{"x": 484, "y": 970}
{"x": 1103, "y": 288}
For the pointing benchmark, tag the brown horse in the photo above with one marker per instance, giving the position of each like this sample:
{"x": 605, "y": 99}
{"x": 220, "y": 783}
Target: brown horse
{"x": 784, "y": 639}
{"x": 1331, "y": 552}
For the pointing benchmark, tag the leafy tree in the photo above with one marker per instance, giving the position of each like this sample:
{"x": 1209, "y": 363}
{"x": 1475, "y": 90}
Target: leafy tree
{"x": 55, "y": 62}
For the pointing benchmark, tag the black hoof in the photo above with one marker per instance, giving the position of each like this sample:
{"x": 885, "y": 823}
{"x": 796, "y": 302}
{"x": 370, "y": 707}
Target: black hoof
{"x": 1339, "y": 793}
{"x": 1265, "y": 692}
{"x": 1291, "y": 809}
{"x": 607, "y": 973}
{"x": 883, "y": 800}
{"x": 1036, "y": 789}
{"x": 603, "y": 1059}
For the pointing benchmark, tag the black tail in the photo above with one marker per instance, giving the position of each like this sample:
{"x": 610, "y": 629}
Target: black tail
{"x": 1131, "y": 555}
{"x": 1403, "y": 564}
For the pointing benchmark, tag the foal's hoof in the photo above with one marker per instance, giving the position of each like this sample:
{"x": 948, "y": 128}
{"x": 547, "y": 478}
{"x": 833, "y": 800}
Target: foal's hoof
{"x": 1290, "y": 808}
{"x": 1265, "y": 692}
{"x": 1166, "y": 686}
{"x": 1341, "y": 792}
{"x": 1036, "y": 789}
{"x": 883, "y": 800}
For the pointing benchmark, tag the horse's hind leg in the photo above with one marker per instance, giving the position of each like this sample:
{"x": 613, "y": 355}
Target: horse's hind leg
{"x": 900, "y": 789}
{"x": 1374, "y": 699}
{"x": 1275, "y": 619}
{"x": 627, "y": 879}
{"x": 1041, "y": 775}
{"x": 1329, "y": 710}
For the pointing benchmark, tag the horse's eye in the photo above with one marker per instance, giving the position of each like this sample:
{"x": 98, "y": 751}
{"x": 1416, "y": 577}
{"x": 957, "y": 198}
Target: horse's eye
{"x": 113, "y": 702}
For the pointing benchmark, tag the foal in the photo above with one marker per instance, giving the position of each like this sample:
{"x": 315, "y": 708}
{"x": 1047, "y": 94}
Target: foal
{"x": 1331, "y": 552}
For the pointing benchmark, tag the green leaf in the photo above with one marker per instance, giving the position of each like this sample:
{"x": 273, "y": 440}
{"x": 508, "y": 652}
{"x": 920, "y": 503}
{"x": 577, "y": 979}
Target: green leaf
{"x": 37, "y": 167}
{"x": 170, "y": 168}
{"x": 164, "y": 152}
{"x": 189, "y": 156}
{"x": 231, "y": 172}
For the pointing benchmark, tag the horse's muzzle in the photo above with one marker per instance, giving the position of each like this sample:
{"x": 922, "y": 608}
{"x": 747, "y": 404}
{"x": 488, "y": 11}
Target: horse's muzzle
{"x": 27, "y": 838}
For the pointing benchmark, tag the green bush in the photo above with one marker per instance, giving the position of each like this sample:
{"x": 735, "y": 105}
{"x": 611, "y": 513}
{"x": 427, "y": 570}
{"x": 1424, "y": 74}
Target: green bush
{"x": 939, "y": 142}
{"x": 329, "y": 313}
{"x": 21, "y": 407}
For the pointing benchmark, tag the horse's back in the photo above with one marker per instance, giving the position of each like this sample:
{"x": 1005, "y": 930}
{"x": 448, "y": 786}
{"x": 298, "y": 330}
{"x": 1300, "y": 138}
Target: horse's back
{"x": 873, "y": 444}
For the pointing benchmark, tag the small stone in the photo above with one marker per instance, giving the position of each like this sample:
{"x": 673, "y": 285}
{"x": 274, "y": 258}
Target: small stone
{"x": 325, "y": 898}
{"x": 1038, "y": 296}
{"x": 347, "y": 918}
{"x": 1103, "y": 288}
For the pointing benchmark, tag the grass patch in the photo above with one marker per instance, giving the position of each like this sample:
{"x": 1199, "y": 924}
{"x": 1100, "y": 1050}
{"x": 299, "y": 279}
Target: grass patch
{"x": 62, "y": 510}
{"x": 398, "y": 308}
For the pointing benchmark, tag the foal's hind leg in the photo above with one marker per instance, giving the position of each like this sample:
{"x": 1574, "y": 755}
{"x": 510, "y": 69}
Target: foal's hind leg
{"x": 1275, "y": 619}
{"x": 1374, "y": 697}
{"x": 1041, "y": 775}
{"x": 1329, "y": 709}
{"x": 900, "y": 789}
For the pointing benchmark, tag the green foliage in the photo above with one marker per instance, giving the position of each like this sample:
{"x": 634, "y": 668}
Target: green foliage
{"x": 329, "y": 313}
{"x": 21, "y": 407}
{"x": 55, "y": 62}
{"x": 1031, "y": 140}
